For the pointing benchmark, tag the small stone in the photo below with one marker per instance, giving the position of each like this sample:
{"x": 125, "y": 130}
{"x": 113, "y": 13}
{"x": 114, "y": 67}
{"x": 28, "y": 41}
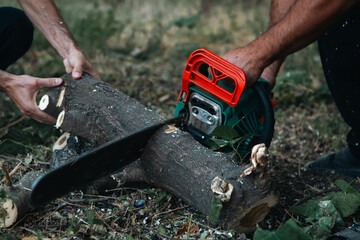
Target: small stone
{"x": 139, "y": 203}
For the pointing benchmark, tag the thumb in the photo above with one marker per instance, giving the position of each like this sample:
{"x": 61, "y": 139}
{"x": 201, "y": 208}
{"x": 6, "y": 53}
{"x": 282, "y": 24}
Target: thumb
{"x": 49, "y": 82}
{"x": 77, "y": 71}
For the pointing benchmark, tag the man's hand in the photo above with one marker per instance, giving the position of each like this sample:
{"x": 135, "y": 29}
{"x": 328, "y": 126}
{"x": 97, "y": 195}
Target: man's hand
{"x": 23, "y": 91}
{"x": 46, "y": 17}
{"x": 248, "y": 60}
{"x": 77, "y": 64}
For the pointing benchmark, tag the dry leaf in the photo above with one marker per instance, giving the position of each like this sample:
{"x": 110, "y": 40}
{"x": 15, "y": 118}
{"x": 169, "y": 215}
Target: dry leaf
{"x": 185, "y": 229}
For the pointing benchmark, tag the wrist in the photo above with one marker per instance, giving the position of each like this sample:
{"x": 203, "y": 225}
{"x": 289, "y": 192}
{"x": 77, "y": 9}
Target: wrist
{"x": 5, "y": 80}
{"x": 71, "y": 49}
{"x": 261, "y": 53}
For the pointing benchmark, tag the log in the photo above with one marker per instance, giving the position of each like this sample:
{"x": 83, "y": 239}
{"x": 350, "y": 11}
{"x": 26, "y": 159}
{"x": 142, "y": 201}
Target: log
{"x": 97, "y": 112}
{"x": 14, "y": 206}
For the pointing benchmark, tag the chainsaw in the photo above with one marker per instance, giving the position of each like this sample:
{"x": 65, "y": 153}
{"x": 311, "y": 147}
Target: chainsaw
{"x": 212, "y": 95}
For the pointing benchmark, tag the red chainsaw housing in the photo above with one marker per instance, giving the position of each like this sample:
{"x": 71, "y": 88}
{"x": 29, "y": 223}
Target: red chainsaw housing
{"x": 220, "y": 71}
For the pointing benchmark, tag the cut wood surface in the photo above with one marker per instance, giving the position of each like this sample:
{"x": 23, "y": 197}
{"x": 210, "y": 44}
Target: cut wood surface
{"x": 14, "y": 207}
{"x": 97, "y": 112}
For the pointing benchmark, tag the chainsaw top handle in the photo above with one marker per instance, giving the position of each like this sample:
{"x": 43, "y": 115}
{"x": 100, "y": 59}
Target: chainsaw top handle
{"x": 202, "y": 70}
{"x": 268, "y": 114}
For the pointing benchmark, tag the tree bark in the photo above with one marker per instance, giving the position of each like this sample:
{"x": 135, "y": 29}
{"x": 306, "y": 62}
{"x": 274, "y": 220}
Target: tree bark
{"x": 14, "y": 206}
{"x": 97, "y": 112}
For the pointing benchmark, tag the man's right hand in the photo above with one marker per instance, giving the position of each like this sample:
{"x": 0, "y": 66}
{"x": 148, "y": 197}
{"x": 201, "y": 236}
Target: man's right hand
{"x": 23, "y": 90}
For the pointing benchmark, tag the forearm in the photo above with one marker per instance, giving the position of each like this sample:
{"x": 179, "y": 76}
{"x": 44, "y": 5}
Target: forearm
{"x": 279, "y": 9}
{"x": 45, "y": 16}
{"x": 5, "y": 78}
{"x": 305, "y": 21}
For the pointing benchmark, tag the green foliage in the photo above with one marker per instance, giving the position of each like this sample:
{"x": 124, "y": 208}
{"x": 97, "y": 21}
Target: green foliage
{"x": 290, "y": 230}
{"x": 92, "y": 219}
{"x": 215, "y": 209}
{"x": 161, "y": 198}
{"x": 301, "y": 81}
{"x": 226, "y": 132}
{"x": 74, "y": 225}
{"x": 189, "y": 21}
{"x": 322, "y": 215}
{"x": 225, "y": 136}
{"x": 345, "y": 202}
{"x": 26, "y": 137}
{"x": 129, "y": 237}
{"x": 7, "y": 236}
{"x": 97, "y": 24}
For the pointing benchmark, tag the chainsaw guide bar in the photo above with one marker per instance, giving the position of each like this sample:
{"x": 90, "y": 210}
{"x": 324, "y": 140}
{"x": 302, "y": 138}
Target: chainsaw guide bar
{"x": 94, "y": 164}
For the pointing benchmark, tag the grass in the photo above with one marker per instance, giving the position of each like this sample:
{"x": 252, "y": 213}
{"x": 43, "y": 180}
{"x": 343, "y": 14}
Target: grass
{"x": 141, "y": 48}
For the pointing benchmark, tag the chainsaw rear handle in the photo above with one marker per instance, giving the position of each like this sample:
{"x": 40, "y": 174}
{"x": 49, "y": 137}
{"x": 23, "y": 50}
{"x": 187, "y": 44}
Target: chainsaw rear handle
{"x": 267, "y": 111}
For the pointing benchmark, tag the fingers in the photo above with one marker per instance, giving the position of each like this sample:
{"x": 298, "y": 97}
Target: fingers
{"x": 77, "y": 64}
{"x": 48, "y": 82}
{"x": 31, "y": 110}
{"x": 67, "y": 65}
{"x": 43, "y": 117}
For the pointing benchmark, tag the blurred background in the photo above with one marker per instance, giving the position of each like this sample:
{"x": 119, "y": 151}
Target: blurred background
{"x": 141, "y": 48}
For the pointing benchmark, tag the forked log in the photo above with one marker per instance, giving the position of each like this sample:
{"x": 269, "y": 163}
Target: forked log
{"x": 14, "y": 206}
{"x": 97, "y": 112}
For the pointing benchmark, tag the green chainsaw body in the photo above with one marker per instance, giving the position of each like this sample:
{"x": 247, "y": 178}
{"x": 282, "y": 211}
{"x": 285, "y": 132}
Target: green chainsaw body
{"x": 211, "y": 90}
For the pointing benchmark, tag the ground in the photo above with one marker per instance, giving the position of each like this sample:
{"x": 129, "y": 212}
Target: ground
{"x": 141, "y": 49}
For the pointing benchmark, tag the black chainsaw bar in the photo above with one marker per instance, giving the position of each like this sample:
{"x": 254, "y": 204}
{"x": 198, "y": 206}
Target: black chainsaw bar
{"x": 94, "y": 164}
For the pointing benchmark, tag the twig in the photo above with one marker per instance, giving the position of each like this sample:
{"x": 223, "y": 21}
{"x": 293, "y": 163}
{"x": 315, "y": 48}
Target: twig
{"x": 12, "y": 124}
{"x": 72, "y": 204}
{"x": 169, "y": 211}
{"x": 6, "y": 174}
{"x": 9, "y": 158}
{"x": 289, "y": 213}
{"x": 107, "y": 225}
{"x": 27, "y": 229}
{"x": 58, "y": 207}
{"x": 13, "y": 171}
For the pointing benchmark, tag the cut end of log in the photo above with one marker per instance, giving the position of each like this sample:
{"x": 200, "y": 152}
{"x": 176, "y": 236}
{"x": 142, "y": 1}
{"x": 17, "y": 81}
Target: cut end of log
{"x": 44, "y": 102}
{"x": 61, "y": 97}
{"x": 246, "y": 222}
{"x": 61, "y": 142}
{"x": 60, "y": 119}
{"x": 9, "y": 213}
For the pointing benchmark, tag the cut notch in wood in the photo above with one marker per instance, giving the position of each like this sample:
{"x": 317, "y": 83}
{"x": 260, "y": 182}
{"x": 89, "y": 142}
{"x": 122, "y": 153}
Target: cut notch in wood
{"x": 61, "y": 142}
{"x": 44, "y": 102}
{"x": 60, "y": 119}
{"x": 61, "y": 97}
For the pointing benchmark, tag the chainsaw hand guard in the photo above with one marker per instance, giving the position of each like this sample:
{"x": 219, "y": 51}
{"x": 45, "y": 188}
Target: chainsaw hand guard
{"x": 213, "y": 95}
